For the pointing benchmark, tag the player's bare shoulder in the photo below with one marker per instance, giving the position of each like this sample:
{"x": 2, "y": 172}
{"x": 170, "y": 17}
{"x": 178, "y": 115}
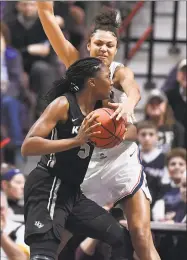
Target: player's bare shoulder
{"x": 59, "y": 108}
{"x": 122, "y": 72}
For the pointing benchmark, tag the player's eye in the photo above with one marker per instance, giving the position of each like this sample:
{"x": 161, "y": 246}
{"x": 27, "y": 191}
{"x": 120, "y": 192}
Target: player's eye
{"x": 99, "y": 43}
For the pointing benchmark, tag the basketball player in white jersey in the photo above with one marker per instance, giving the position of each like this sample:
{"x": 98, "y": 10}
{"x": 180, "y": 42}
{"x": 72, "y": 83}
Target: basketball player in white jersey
{"x": 116, "y": 173}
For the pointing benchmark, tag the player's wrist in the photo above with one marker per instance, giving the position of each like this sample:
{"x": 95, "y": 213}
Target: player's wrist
{"x": 78, "y": 141}
{"x": 132, "y": 103}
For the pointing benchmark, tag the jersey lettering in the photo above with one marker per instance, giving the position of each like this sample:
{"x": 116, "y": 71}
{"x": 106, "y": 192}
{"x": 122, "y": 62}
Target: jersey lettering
{"x": 75, "y": 129}
{"x": 84, "y": 151}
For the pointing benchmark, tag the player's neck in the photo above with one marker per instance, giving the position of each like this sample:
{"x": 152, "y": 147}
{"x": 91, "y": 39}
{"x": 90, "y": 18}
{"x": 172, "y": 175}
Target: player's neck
{"x": 86, "y": 102}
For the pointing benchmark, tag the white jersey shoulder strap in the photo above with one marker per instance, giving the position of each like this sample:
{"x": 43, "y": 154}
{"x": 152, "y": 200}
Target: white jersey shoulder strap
{"x": 113, "y": 67}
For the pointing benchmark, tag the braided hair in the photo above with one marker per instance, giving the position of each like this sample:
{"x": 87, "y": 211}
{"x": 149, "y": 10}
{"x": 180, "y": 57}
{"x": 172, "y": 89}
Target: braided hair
{"x": 75, "y": 78}
{"x": 106, "y": 21}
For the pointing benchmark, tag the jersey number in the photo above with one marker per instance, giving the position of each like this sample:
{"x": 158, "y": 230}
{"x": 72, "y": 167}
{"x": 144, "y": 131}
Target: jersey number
{"x": 84, "y": 151}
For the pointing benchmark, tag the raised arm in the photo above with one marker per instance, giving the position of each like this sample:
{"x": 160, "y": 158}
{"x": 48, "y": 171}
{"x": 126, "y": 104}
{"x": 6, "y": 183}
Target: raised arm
{"x": 63, "y": 48}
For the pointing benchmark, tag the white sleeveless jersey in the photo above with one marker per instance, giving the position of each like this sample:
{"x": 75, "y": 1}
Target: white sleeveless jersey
{"x": 114, "y": 173}
{"x": 119, "y": 97}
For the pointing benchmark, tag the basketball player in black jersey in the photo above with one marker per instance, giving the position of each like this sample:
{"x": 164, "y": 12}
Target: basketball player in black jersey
{"x": 53, "y": 198}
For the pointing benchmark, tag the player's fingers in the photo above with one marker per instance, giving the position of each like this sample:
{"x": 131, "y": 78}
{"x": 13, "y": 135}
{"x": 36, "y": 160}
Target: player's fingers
{"x": 124, "y": 136}
{"x": 89, "y": 115}
{"x": 121, "y": 113}
{"x": 92, "y": 118}
{"x": 116, "y": 112}
{"x": 119, "y": 116}
{"x": 94, "y": 133}
{"x": 113, "y": 105}
{"x": 90, "y": 128}
{"x": 83, "y": 122}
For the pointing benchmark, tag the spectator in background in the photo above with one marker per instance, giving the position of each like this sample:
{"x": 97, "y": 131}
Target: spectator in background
{"x": 153, "y": 159}
{"x": 170, "y": 207}
{"x": 173, "y": 246}
{"x": 12, "y": 183}
{"x": 11, "y": 88}
{"x": 177, "y": 96}
{"x": 28, "y": 36}
{"x": 4, "y": 141}
{"x": 183, "y": 191}
{"x": 8, "y": 10}
{"x": 12, "y": 236}
{"x": 5, "y": 167}
{"x": 171, "y": 133}
{"x": 74, "y": 19}
{"x": 172, "y": 78}
{"x": 179, "y": 248}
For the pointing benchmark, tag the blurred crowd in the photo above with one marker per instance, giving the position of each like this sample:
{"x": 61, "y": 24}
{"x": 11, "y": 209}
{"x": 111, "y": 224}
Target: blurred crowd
{"x": 29, "y": 67}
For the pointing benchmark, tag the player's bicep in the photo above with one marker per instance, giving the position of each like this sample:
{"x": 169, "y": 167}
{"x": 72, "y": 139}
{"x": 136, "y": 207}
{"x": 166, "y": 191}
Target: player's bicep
{"x": 124, "y": 79}
{"x": 42, "y": 127}
{"x": 123, "y": 73}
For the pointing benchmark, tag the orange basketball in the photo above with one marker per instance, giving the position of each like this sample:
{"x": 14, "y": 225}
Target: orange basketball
{"x": 112, "y": 131}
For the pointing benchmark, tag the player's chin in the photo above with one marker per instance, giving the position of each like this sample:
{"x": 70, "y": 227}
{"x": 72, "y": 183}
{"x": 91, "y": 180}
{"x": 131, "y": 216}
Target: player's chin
{"x": 108, "y": 95}
{"x": 104, "y": 60}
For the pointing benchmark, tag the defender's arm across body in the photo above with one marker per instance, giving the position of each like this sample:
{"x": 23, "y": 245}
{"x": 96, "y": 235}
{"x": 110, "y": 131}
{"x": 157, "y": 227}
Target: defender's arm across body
{"x": 124, "y": 79}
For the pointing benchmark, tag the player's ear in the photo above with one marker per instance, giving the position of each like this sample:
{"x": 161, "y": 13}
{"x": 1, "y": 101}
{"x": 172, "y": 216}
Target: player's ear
{"x": 88, "y": 46}
{"x": 4, "y": 185}
{"x": 91, "y": 82}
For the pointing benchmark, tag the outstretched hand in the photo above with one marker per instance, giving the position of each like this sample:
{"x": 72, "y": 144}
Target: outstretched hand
{"x": 121, "y": 109}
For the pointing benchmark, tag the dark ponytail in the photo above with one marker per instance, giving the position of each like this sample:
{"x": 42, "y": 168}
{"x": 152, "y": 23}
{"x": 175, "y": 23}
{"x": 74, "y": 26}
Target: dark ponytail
{"x": 75, "y": 78}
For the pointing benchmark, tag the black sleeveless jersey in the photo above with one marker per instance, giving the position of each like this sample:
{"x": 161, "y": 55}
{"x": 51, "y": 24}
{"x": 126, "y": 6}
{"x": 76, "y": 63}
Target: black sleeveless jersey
{"x": 71, "y": 165}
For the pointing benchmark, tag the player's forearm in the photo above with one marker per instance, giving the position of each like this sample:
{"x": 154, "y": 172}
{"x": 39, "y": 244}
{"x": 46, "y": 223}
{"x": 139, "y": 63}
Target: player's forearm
{"x": 132, "y": 90}
{"x": 131, "y": 134}
{"x": 33, "y": 146}
{"x": 11, "y": 249}
{"x": 45, "y": 6}
{"x": 63, "y": 48}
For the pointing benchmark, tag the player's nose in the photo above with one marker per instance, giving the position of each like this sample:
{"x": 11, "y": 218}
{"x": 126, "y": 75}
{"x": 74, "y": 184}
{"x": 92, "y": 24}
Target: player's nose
{"x": 103, "y": 48}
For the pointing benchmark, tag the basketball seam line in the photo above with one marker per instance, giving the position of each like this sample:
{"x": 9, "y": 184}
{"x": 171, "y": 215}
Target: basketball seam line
{"x": 116, "y": 137}
{"x": 112, "y": 119}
